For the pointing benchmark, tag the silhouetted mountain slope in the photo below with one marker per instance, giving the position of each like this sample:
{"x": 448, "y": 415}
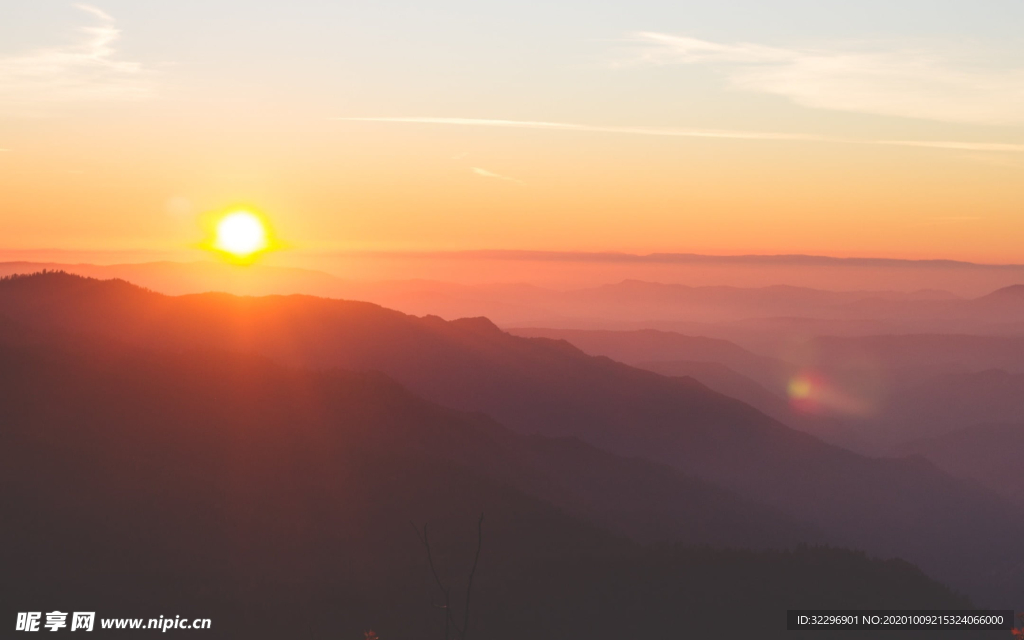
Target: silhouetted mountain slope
{"x": 645, "y": 501}
{"x": 935, "y": 352}
{"x": 944, "y": 403}
{"x": 892, "y": 507}
{"x": 724, "y": 380}
{"x": 721, "y": 365}
{"x": 992, "y": 454}
{"x": 910, "y": 401}
{"x": 1012, "y": 295}
{"x": 278, "y": 502}
{"x": 718, "y": 377}
{"x": 649, "y": 346}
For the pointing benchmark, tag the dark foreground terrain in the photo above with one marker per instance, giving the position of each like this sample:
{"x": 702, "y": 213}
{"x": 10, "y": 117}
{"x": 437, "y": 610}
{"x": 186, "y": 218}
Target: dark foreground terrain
{"x": 280, "y": 501}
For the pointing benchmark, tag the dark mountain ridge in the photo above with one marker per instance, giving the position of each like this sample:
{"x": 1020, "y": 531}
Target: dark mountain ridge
{"x": 908, "y": 508}
{"x": 645, "y": 501}
{"x": 651, "y": 345}
{"x": 274, "y": 499}
{"x": 909, "y": 386}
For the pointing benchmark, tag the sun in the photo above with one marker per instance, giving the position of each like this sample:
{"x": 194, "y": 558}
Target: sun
{"x": 241, "y": 234}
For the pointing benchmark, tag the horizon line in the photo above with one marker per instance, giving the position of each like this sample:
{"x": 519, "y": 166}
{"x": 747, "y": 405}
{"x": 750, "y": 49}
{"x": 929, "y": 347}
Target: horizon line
{"x": 661, "y": 257}
{"x": 666, "y": 257}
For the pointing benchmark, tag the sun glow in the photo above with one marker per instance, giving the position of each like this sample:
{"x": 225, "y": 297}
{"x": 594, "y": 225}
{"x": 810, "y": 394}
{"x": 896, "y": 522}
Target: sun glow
{"x": 241, "y": 234}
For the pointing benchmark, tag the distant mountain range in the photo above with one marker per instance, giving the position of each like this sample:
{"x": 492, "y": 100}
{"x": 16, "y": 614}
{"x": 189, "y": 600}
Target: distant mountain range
{"x": 753, "y": 316}
{"x": 989, "y": 453}
{"x": 757, "y": 259}
{"x": 907, "y": 386}
{"x": 274, "y": 499}
{"x": 652, "y": 346}
{"x": 908, "y": 508}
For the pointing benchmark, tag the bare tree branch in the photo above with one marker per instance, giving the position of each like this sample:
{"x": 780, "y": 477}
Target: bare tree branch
{"x": 449, "y": 619}
{"x": 472, "y": 572}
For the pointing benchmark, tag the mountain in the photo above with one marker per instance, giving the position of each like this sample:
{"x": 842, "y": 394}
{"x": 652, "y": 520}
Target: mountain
{"x": 278, "y": 502}
{"x": 720, "y": 378}
{"x": 721, "y": 365}
{"x": 907, "y": 356}
{"x": 903, "y": 507}
{"x": 909, "y": 386}
{"x": 645, "y": 501}
{"x": 944, "y": 403}
{"x": 724, "y": 380}
{"x": 1012, "y": 295}
{"x": 749, "y": 314}
{"x": 648, "y": 346}
{"x": 938, "y": 353}
{"x": 178, "y": 278}
{"x": 990, "y": 454}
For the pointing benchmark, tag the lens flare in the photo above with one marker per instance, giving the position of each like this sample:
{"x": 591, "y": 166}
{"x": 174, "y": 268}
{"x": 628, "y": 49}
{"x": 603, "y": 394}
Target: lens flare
{"x": 800, "y": 388}
{"x": 806, "y": 391}
{"x": 813, "y": 393}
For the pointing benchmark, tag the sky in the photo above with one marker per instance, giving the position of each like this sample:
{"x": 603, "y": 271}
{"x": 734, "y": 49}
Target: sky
{"x": 876, "y": 129}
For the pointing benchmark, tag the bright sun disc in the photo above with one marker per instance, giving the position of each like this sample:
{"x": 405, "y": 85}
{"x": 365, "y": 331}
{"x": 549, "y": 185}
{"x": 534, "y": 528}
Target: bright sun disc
{"x": 241, "y": 234}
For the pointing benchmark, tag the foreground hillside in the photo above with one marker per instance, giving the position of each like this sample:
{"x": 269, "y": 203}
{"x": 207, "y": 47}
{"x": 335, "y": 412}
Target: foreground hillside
{"x": 955, "y": 530}
{"x": 272, "y": 499}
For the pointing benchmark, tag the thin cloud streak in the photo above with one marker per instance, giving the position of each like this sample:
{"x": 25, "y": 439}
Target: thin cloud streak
{"x": 911, "y": 83}
{"x": 34, "y": 82}
{"x": 484, "y": 173}
{"x": 567, "y": 126}
{"x": 960, "y": 146}
{"x": 692, "y": 133}
{"x": 96, "y": 11}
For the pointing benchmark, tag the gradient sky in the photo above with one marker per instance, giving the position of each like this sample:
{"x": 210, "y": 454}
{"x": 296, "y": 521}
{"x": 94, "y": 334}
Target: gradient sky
{"x": 879, "y": 128}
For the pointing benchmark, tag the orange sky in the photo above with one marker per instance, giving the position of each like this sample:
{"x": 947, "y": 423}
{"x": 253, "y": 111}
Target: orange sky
{"x": 134, "y": 157}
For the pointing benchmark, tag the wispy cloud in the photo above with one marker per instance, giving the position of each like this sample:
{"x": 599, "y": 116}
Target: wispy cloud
{"x": 484, "y": 173}
{"x": 913, "y": 83}
{"x": 567, "y": 126}
{"x": 693, "y": 133}
{"x": 88, "y": 70}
